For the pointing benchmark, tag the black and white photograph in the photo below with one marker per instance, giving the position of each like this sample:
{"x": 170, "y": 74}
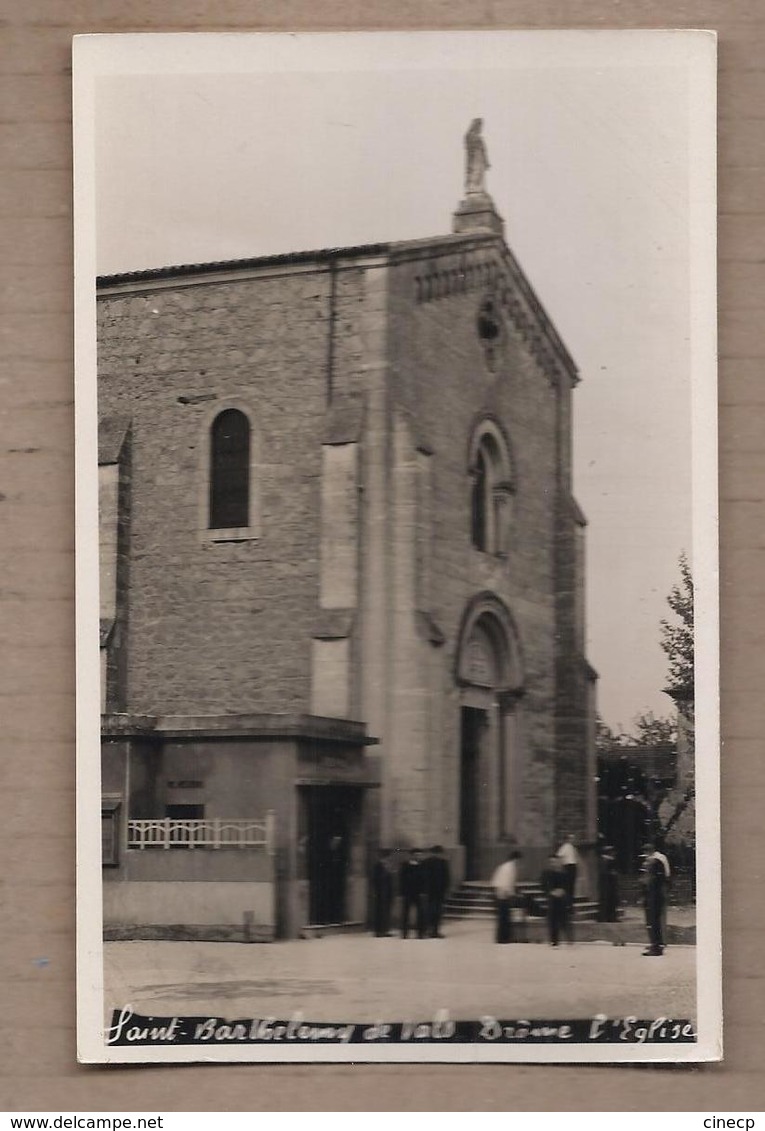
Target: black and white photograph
{"x": 397, "y": 571}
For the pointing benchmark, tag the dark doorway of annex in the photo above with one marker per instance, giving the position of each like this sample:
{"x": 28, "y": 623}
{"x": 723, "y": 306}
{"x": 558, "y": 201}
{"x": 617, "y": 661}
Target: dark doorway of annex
{"x": 473, "y": 725}
{"x": 330, "y": 811}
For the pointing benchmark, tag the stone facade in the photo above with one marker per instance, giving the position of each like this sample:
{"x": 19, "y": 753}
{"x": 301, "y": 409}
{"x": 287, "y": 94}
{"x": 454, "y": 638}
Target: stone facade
{"x": 413, "y": 558}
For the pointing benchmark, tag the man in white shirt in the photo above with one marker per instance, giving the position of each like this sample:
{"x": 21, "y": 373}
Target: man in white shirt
{"x": 664, "y": 861}
{"x": 569, "y": 857}
{"x": 504, "y": 881}
{"x": 659, "y": 855}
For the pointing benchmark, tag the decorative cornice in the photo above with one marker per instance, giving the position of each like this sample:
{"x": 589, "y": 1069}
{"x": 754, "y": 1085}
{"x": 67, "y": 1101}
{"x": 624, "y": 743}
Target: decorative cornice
{"x": 457, "y": 273}
{"x": 492, "y": 268}
{"x": 196, "y": 727}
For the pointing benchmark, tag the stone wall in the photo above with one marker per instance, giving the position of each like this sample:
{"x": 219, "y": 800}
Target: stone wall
{"x": 444, "y": 382}
{"x": 169, "y": 903}
{"x": 221, "y": 626}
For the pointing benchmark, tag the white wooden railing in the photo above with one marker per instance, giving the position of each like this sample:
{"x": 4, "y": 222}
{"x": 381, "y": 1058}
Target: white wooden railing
{"x": 213, "y": 832}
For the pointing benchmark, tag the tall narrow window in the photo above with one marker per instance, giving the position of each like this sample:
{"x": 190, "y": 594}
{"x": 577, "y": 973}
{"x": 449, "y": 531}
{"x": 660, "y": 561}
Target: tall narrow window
{"x": 479, "y": 501}
{"x": 230, "y": 471}
{"x": 492, "y": 488}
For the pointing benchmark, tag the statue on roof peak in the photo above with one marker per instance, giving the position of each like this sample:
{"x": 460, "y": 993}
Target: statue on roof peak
{"x": 476, "y": 159}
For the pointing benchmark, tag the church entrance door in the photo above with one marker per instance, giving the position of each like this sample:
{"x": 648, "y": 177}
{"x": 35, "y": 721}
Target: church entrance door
{"x": 329, "y": 835}
{"x": 474, "y": 724}
{"x": 490, "y": 679}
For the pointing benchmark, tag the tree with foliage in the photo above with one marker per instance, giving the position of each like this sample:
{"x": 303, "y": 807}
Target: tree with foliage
{"x": 645, "y": 730}
{"x": 629, "y": 798}
{"x": 677, "y": 635}
{"x": 605, "y": 737}
{"x": 648, "y": 730}
{"x": 677, "y": 815}
{"x": 634, "y": 806}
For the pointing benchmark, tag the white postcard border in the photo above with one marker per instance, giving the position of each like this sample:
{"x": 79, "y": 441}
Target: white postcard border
{"x": 95, "y": 56}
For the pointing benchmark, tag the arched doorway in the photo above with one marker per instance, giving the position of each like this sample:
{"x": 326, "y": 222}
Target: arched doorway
{"x": 490, "y": 677}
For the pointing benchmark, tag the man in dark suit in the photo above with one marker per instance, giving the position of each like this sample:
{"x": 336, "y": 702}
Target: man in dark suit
{"x": 608, "y": 886}
{"x": 655, "y": 878}
{"x": 382, "y": 893}
{"x": 558, "y": 911}
{"x": 412, "y": 888}
{"x": 437, "y": 884}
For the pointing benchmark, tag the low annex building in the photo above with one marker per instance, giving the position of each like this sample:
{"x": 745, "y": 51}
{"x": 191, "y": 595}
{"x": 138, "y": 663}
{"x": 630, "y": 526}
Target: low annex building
{"x": 342, "y": 593}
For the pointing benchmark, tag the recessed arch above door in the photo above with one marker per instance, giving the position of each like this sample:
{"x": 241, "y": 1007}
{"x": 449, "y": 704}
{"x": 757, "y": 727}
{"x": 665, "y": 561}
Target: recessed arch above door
{"x": 489, "y": 652}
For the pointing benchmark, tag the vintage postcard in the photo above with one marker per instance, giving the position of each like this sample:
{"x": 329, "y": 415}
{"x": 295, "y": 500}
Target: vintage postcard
{"x": 397, "y": 547}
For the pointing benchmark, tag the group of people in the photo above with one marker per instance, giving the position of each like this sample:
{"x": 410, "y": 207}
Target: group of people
{"x": 424, "y": 880}
{"x": 558, "y": 882}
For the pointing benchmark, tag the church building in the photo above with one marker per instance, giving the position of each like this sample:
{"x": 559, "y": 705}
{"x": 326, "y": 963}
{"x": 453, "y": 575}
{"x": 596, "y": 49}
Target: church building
{"x": 342, "y": 576}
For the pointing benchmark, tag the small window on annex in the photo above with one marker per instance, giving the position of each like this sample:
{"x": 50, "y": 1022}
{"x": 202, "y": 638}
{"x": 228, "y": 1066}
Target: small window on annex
{"x": 110, "y": 832}
{"x": 230, "y": 471}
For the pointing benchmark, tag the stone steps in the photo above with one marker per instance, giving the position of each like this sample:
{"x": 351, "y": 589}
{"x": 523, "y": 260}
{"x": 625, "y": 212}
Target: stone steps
{"x": 319, "y": 930}
{"x": 474, "y": 899}
{"x": 585, "y": 912}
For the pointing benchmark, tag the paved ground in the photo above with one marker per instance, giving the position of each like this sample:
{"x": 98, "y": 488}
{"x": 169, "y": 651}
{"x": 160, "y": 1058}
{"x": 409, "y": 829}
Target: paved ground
{"x": 682, "y": 916}
{"x": 357, "y": 977}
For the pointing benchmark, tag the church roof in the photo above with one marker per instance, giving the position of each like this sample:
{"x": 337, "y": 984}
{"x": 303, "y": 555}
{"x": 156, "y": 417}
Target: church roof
{"x": 395, "y": 251}
{"x": 288, "y": 258}
{"x": 393, "y": 248}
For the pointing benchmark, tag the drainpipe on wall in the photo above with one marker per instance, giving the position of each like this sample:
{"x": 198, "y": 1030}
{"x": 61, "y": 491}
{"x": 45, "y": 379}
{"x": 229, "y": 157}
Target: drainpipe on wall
{"x": 557, "y": 825}
{"x": 331, "y": 333}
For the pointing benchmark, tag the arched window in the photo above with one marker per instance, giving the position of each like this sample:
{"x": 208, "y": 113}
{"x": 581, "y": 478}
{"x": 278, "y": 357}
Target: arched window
{"x": 492, "y": 489}
{"x": 478, "y": 501}
{"x": 230, "y": 471}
